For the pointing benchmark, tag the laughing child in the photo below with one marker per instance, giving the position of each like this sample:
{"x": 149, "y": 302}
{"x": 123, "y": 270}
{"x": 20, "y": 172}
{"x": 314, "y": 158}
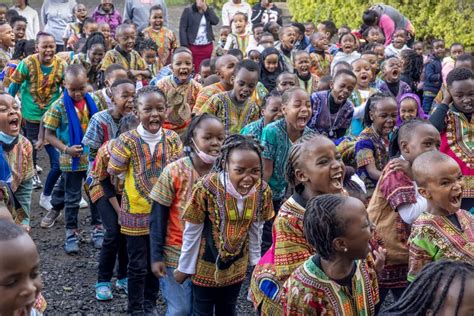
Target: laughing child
{"x": 306, "y": 79}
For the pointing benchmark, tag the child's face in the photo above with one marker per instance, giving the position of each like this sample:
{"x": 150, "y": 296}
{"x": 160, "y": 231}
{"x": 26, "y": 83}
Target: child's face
{"x": 254, "y": 56}
{"x": 288, "y": 38}
{"x": 122, "y": 97}
{"x": 257, "y": 33}
{"x": 308, "y": 29}
{"x": 244, "y": 170}
{"x": 374, "y": 36}
{"x": 104, "y": 28}
{"x": 456, "y": 50}
{"x": 462, "y": 92}
{"x": 399, "y": 39}
{"x": 107, "y": 5}
{"x": 10, "y": 115}
{"x": 424, "y": 138}
{"x": 321, "y": 28}
{"x": 205, "y": 72}
{"x": 374, "y": 64}
{"x": 302, "y": 64}
{"x": 80, "y": 12}
{"x": 96, "y": 54}
{"x": 380, "y": 51}
{"x": 149, "y": 55}
{"x": 319, "y": 41}
{"x": 91, "y": 28}
{"x": 152, "y": 111}
{"x": 391, "y": 70}
{"x": 19, "y": 29}
{"x": 272, "y": 110}
{"x": 114, "y": 76}
{"x": 126, "y": 38}
{"x": 297, "y": 111}
{"x": 274, "y": 29}
{"x": 384, "y": 116}
{"x": 239, "y": 23}
{"x": 348, "y": 43}
{"x": 226, "y": 68}
{"x": 7, "y": 37}
{"x": 363, "y": 72}
{"x": 419, "y": 49}
{"x": 223, "y": 35}
{"x": 408, "y": 109}
{"x": 323, "y": 86}
{"x": 464, "y": 64}
{"x": 342, "y": 30}
{"x": 182, "y": 66}
{"x": 46, "y": 48}
{"x": 266, "y": 41}
{"x": 285, "y": 82}
{"x": 342, "y": 88}
{"x": 438, "y": 49}
{"x": 156, "y": 19}
{"x": 209, "y": 137}
{"x": 76, "y": 86}
{"x": 322, "y": 171}
{"x": 244, "y": 84}
{"x": 3, "y": 12}
{"x": 271, "y": 63}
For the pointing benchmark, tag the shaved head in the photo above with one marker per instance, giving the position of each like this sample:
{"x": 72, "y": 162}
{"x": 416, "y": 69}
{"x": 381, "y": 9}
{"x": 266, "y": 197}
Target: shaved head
{"x": 425, "y": 166}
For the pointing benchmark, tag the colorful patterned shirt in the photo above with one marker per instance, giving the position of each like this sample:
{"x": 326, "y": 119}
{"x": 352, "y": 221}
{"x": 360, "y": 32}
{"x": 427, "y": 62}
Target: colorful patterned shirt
{"x": 206, "y": 93}
{"x": 20, "y": 159}
{"x": 319, "y": 65}
{"x": 102, "y": 127}
{"x": 254, "y": 129}
{"x": 5, "y": 57}
{"x": 134, "y": 62}
{"x": 165, "y": 40}
{"x": 259, "y": 94}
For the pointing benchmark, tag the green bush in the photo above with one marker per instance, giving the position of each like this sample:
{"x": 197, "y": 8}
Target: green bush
{"x": 451, "y": 20}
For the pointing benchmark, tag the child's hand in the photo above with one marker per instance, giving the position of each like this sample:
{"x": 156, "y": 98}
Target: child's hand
{"x": 39, "y": 144}
{"x": 400, "y": 165}
{"x": 447, "y": 98}
{"x": 179, "y": 276}
{"x": 380, "y": 255}
{"x": 74, "y": 151}
{"x": 134, "y": 73}
{"x": 158, "y": 269}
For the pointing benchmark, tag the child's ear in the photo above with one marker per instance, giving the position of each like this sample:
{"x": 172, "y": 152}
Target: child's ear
{"x": 300, "y": 176}
{"x": 403, "y": 146}
{"x": 331, "y": 84}
{"x": 371, "y": 115}
{"x": 424, "y": 193}
{"x": 232, "y": 79}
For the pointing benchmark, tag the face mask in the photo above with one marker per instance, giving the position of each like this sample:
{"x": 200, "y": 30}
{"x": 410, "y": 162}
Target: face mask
{"x": 206, "y": 158}
{"x": 6, "y": 139}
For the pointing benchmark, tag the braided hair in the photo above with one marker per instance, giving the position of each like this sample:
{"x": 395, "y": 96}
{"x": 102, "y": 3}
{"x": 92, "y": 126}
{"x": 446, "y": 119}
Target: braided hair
{"x": 321, "y": 223}
{"x": 429, "y": 290}
{"x": 148, "y": 90}
{"x": 94, "y": 39}
{"x": 413, "y": 64}
{"x": 371, "y": 103}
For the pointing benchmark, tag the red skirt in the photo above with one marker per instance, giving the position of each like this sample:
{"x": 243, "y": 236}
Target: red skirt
{"x": 200, "y": 52}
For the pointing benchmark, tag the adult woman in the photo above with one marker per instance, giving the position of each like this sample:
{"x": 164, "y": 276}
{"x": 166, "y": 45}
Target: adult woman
{"x": 195, "y": 31}
{"x": 56, "y": 14}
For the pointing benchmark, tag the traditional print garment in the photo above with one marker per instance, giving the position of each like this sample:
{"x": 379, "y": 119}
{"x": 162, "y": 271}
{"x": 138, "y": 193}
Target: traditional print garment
{"x": 93, "y": 72}
{"x": 384, "y": 87}
{"x": 206, "y": 93}
{"x": 320, "y": 64}
{"x": 370, "y": 147}
{"x": 277, "y": 145}
{"x": 180, "y": 99}
{"x": 131, "y": 157}
{"x": 309, "y": 291}
{"x": 394, "y": 189}
{"x": 233, "y": 116}
{"x": 67, "y": 57}
{"x": 104, "y": 101}
{"x": 165, "y": 40}
{"x": 239, "y": 42}
{"x": 309, "y": 85}
{"x": 5, "y": 57}
{"x": 358, "y": 99}
{"x": 130, "y": 61}
{"x": 254, "y": 129}
{"x": 436, "y": 237}
{"x": 224, "y": 247}
{"x": 20, "y": 159}
{"x": 259, "y": 94}
{"x": 40, "y": 85}
{"x": 288, "y": 251}
{"x": 174, "y": 189}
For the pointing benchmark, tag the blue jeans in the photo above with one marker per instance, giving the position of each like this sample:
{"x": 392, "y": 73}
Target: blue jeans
{"x": 428, "y": 98}
{"x": 54, "y": 172}
{"x": 178, "y": 297}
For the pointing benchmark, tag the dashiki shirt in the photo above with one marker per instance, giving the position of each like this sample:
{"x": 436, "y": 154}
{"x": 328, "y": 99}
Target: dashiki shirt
{"x": 254, "y": 129}
{"x": 93, "y": 73}
{"x": 277, "y": 145}
{"x": 101, "y": 128}
{"x": 228, "y": 233}
{"x": 235, "y": 41}
{"x": 66, "y": 56}
{"x": 174, "y": 189}
{"x": 206, "y": 93}
{"x": 288, "y": 251}
{"x": 131, "y": 156}
{"x": 40, "y": 85}
{"x": 402, "y": 88}
{"x": 370, "y": 147}
{"x": 259, "y": 94}
{"x": 129, "y": 61}
{"x": 359, "y": 98}
{"x": 436, "y": 237}
{"x": 165, "y": 40}
{"x": 394, "y": 189}
{"x": 309, "y": 291}
{"x": 5, "y": 57}
{"x": 181, "y": 99}
{"x": 320, "y": 65}
{"x": 103, "y": 100}
{"x": 232, "y": 116}
{"x": 309, "y": 85}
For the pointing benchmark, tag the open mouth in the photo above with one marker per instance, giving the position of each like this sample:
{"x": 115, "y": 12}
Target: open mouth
{"x": 301, "y": 121}
{"x": 336, "y": 180}
{"x": 14, "y": 123}
{"x": 395, "y": 73}
{"x": 245, "y": 188}
{"x": 456, "y": 199}
{"x": 24, "y": 311}
{"x": 364, "y": 77}
{"x": 347, "y": 47}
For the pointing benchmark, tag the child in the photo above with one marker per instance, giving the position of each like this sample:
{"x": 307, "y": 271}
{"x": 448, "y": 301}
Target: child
{"x": 432, "y": 75}
{"x": 390, "y": 82}
{"x": 254, "y": 55}
{"x": 273, "y": 28}
{"x": 266, "y": 41}
{"x": 173, "y": 189}
{"x": 452, "y": 119}
{"x": 124, "y": 54}
{"x": 456, "y": 49}
{"x": 348, "y": 53}
{"x": 239, "y": 38}
{"x": 412, "y": 68}
{"x": 104, "y": 28}
{"x": 180, "y": 90}
{"x": 306, "y": 79}
{"x": 341, "y": 278}
{"x": 234, "y": 108}
{"x": 3, "y": 13}
{"x": 7, "y": 42}
{"x": 443, "y": 230}
{"x": 65, "y": 123}
{"x": 257, "y": 32}
{"x": 33, "y": 25}
{"x": 287, "y": 37}
{"x": 223, "y": 34}
{"x": 74, "y": 30}
{"x": 271, "y": 66}
{"x": 19, "y": 24}
{"x": 233, "y": 201}
{"x": 399, "y": 43}
{"x": 332, "y": 111}
{"x": 371, "y": 57}
{"x": 329, "y": 29}
{"x": 309, "y": 28}
{"x": 225, "y": 66}
{"x": 409, "y": 108}
{"x": 112, "y": 73}
{"x": 371, "y": 148}
{"x": 91, "y": 57}
{"x": 139, "y": 157}
{"x": 148, "y": 50}
{"x": 162, "y": 36}
{"x": 360, "y": 94}
{"x": 324, "y": 83}
{"x": 374, "y": 34}
{"x": 318, "y": 52}
{"x": 271, "y": 111}
{"x": 105, "y": 13}
{"x": 307, "y": 178}
{"x": 285, "y": 81}
{"x": 396, "y": 204}
{"x": 204, "y": 71}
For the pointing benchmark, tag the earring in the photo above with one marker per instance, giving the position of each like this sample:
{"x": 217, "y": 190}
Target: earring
{"x": 345, "y": 249}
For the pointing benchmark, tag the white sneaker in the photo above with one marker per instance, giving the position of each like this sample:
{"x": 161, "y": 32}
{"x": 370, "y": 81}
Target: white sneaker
{"x": 45, "y": 202}
{"x": 38, "y": 169}
{"x": 37, "y": 182}
{"x": 83, "y": 204}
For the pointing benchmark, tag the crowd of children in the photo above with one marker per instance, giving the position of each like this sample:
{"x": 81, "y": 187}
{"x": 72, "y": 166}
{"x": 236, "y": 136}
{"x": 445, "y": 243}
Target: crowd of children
{"x": 330, "y": 166}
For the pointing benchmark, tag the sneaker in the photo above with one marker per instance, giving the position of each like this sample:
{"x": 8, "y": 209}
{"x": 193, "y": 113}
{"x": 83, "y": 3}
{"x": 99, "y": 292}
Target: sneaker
{"x": 97, "y": 237}
{"x": 122, "y": 284}
{"x": 103, "y": 291}
{"x": 38, "y": 169}
{"x": 83, "y": 203}
{"x": 45, "y": 202}
{"x": 71, "y": 245}
{"x": 37, "y": 182}
{"x": 50, "y": 218}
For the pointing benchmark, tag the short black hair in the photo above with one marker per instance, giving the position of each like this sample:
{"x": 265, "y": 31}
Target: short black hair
{"x": 23, "y": 48}
{"x": 330, "y": 26}
{"x": 273, "y": 94}
{"x": 75, "y": 70}
{"x": 43, "y": 34}
{"x": 299, "y": 26}
{"x": 458, "y": 74}
{"x": 237, "y": 53}
{"x": 436, "y": 40}
{"x": 256, "y": 25}
{"x": 156, "y": 7}
{"x": 465, "y": 57}
{"x": 205, "y": 63}
{"x": 94, "y": 39}
{"x": 247, "y": 64}
{"x": 10, "y": 14}
{"x": 181, "y": 49}
{"x": 146, "y": 44}
{"x": 246, "y": 18}
{"x": 286, "y": 96}
{"x": 18, "y": 18}
{"x": 404, "y": 133}
{"x": 110, "y": 70}
{"x": 347, "y": 34}
{"x": 9, "y": 230}
{"x": 344, "y": 72}
{"x": 370, "y": 17}
{"x": 149, "y": 90}
{"x": 119, "y": 82}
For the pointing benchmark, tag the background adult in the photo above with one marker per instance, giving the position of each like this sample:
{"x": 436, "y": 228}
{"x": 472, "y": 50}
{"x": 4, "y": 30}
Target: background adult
{"x": 388, "y": 19}
{"x": 195, "y": 31}
{"x": 55, "y": 15}
{"x": 266, "y": 11}
{"x": 139, "y": 11}
{"x": 231, "y": 7}
{"x": 33, "y": 25}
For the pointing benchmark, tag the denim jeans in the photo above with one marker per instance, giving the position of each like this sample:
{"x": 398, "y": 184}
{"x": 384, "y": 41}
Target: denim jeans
{"x": 54, "y": 171}
{"x": 68, "y": 194}
{"x": 428, "y": 98}
{"x": 31, "y": 132}
{"x": 178, "y": 297}
{"x": 114, "y": 246}
{"x": 220, "y": 301}
{"x": 143, "y": 286}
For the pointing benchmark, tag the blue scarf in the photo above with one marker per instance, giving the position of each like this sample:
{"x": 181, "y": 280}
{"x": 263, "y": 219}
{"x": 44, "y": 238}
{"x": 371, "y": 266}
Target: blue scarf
{"x": 75, "y": 128}
{"x": 5, "y": 171}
